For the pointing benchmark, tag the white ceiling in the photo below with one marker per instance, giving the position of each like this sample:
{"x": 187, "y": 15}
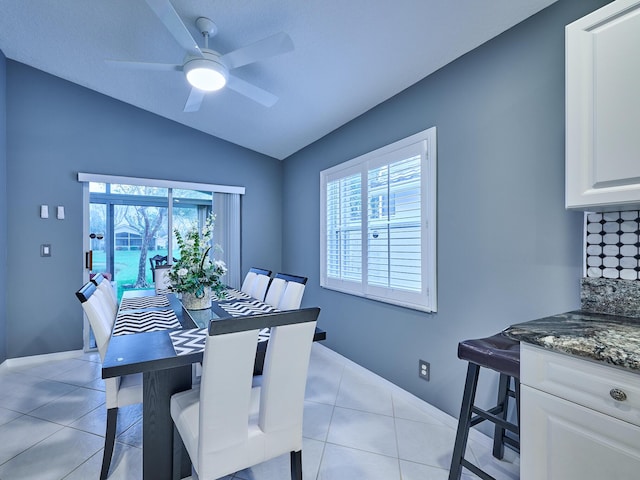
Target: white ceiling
{"x": 349, "y": 56}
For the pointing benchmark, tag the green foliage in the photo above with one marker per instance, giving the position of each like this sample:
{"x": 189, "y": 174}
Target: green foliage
{"x": 195, "y": 268}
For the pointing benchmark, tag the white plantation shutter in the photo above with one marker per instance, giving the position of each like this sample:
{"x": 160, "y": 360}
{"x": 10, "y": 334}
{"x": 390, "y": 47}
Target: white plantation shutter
{"x": 378, "y": 219}
{"x": 344, "y": 228}
{"x": 394, "y": 221}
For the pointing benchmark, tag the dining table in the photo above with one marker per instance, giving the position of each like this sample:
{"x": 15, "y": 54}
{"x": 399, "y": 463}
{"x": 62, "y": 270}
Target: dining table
{"x": 154, "y": 335}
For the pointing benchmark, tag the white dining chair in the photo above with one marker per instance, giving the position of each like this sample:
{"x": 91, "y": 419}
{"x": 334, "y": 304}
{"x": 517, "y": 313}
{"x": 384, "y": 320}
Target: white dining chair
{"x": 109, "y": 294}
{"x": 108, "y": 313}
{"x": 292, "y": 296}
{"x": 227, "y": 425}
{"x": 247, "y": 284}
{"x": 120, "y": 391}
{"x": 275, "y": 291}
{"x": 161, "y": 279}
{"x": 260, "y": 286}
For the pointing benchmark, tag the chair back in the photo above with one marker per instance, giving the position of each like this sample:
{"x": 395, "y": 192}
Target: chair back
{"x": 108, "y": 293}
{"x": 292, "y": 296}
{"x": 285, "y": 373}
{"x": 291, "y": 278}
{"x": 225, "y": 437}
{"x": 161, "y": 279}
{"x": 260, "y": 286}
{"x": 95, "y": 308}
{"x": 159, "y": 261}
{"x": 247, "y": 284}
{"x": 275, "y": 291}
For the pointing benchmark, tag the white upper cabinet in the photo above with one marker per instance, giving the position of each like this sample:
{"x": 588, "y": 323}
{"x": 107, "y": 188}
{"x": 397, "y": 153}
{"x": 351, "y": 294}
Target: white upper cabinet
{"x": 603, "y": 109}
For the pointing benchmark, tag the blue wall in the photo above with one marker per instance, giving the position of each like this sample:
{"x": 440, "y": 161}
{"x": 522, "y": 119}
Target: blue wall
{"x": 55, "y": 129}
{"x": 507, "y": 249}
{"x": 3, "y": 208}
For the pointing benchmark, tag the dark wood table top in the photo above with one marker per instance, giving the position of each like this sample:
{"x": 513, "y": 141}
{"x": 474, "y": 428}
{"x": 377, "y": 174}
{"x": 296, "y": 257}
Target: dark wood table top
{"x": 151, "y": 351}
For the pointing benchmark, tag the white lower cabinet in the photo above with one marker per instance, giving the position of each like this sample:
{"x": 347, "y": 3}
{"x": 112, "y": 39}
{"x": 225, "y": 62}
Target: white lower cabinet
{"x": 563, "y": 441}
{"x": 571, "y": 425}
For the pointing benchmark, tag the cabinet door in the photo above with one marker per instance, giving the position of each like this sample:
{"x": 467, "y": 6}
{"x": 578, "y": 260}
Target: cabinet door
{"x": 564, "y": 441}
{"x": 603, "y": 108}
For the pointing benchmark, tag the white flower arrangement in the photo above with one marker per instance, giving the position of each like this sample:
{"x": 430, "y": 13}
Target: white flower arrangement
{"x": 194, "y": 270}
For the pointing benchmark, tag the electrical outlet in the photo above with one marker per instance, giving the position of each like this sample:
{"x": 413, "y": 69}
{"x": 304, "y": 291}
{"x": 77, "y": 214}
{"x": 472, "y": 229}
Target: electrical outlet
{"x": 424, "y": 370}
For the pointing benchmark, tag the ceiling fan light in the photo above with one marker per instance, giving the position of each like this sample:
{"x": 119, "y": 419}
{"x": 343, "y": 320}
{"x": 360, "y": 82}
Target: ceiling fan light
{"x": 206, "y": 75}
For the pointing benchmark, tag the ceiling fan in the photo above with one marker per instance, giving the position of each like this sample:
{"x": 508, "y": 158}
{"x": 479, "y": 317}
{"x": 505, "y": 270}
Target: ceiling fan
{"x": 207, "y": 70}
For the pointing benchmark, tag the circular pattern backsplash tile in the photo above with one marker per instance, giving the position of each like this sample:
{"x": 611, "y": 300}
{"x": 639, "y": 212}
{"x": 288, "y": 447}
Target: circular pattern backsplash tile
{"x": 613, "y": 245}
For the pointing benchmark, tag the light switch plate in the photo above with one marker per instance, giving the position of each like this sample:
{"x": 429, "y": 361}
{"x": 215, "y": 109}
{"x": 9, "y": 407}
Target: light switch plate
{"x": 45, "y": 250}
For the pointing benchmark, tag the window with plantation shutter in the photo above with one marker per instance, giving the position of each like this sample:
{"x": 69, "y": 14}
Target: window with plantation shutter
{"x": 378, "y": 224}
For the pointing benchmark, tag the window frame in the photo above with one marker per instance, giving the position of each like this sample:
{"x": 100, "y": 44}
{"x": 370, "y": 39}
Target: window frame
{"x": 423, "y": 142}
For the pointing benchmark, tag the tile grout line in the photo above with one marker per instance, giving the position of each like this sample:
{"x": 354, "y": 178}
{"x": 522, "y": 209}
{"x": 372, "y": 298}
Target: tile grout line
{"x": 326, "y": 436}
{"x": 395, "y": 430}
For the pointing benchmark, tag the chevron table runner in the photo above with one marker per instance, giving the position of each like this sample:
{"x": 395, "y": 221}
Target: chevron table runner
{"x": 246, "y": 307}
{"x": 230, "y": 294}
{"x": 193, "y": 340}
{"x": 137, "y": 303}
{"x": 147, "y": 321}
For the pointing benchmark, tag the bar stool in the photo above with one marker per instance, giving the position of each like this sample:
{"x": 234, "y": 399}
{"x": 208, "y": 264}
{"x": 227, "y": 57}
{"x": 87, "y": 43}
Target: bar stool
{"x": 501, "y": 354}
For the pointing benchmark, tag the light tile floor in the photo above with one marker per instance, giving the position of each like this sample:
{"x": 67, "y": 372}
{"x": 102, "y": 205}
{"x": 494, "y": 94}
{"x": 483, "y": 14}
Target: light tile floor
{"x": 357, "y": 426}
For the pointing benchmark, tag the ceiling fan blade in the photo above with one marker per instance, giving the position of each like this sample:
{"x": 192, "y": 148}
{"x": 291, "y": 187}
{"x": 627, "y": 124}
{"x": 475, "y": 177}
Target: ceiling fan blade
{"x": 265, "y": 48}
{"x": 163, "y": 67}
{"x": 170, "y": 18}
{"x": 194, "y": 101}
{"x": 249, "y": 90}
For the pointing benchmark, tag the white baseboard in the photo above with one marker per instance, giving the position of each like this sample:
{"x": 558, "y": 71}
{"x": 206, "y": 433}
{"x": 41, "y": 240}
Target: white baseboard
{"x": 37, "y": 359}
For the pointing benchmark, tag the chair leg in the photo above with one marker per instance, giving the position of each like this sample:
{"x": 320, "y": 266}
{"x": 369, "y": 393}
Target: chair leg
{"x": 462, "y": 434}
{"x": 517, "y": 386}
{"x": 296, "y": 465}
{"x": 109, "y": 441}
{"x": 503, "y": 403}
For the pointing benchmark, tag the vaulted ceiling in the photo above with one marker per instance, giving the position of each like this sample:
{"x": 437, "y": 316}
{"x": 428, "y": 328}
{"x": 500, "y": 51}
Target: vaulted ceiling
{"x": 349, "y": 55}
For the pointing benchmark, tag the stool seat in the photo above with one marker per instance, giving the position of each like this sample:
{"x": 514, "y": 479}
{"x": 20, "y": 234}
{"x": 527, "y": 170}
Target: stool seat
{"x": 498, "y": 352}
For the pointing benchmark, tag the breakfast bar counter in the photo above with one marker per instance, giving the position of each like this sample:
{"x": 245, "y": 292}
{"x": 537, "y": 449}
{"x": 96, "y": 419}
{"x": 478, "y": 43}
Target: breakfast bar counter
{"x": 579, "y": 396}
{"x": 611, "y": 339}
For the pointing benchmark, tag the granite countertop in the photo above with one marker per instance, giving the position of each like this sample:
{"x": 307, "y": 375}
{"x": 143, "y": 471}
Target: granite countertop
{"x": 610, "y": 339}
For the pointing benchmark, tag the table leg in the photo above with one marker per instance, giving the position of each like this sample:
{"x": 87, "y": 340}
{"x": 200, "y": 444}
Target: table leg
{"x": 157, "y": 426}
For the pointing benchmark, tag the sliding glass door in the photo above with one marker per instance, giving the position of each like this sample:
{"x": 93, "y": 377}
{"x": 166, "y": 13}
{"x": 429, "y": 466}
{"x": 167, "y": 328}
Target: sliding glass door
{"x": 129, "y": 226}
{"x": 129, "y": 229}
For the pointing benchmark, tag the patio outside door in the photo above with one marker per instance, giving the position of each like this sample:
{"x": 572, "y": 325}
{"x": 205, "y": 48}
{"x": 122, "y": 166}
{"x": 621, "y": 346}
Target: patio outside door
{"x": 129, "y": 228}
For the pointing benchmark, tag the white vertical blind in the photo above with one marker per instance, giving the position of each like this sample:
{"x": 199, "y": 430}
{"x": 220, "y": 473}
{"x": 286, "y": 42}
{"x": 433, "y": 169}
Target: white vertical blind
{"x": 226, "y": 207}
